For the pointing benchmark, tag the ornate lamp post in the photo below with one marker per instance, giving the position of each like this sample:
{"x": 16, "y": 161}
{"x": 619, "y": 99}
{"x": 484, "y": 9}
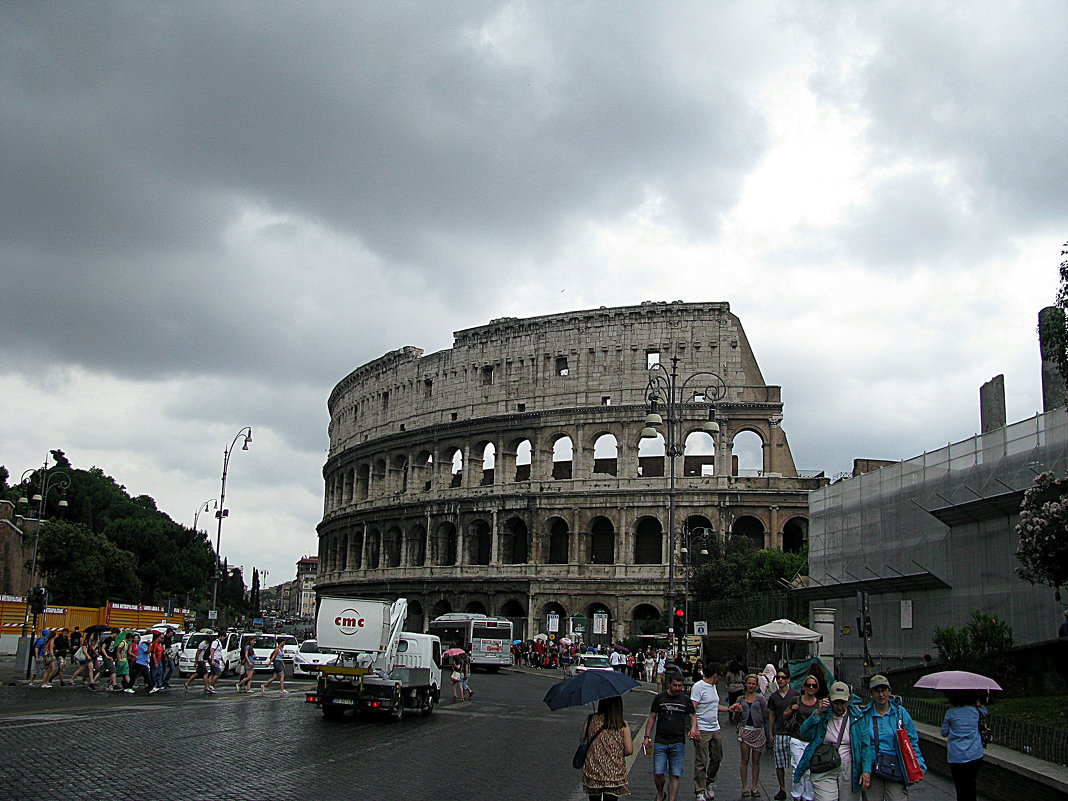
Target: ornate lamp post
{"x": 689, "y": 538}
{"x": 665, "y": 393}
{"x": 222, "y": 511}
{"x": 49, "y": 480}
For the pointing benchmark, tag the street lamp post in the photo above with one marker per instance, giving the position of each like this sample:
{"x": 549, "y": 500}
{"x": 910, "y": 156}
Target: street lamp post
{"x": 222, "y": 511}
{"x": 666, "y": 393}
{"x": 49, "y": 480}
{"x": 212, "y": 502}
{"x": 689, "y": 538}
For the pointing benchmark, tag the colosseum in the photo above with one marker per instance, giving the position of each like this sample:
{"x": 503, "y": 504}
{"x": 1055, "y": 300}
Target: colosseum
{"x": 508, "y": 474}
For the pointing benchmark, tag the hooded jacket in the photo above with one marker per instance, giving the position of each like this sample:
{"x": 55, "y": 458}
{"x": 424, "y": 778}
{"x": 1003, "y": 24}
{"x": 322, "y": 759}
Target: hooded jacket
{"x": 886, "y": 725}
{"x": 815, "y": 729}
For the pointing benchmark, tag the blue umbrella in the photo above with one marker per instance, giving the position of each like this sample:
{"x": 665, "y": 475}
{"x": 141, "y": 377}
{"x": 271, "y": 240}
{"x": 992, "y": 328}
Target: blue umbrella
{"x": 587, "y": 687}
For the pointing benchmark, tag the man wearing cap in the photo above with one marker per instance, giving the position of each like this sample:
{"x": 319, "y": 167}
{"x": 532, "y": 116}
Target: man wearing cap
{"x": 882, "y": 717}
{"x": 853, "y": 775}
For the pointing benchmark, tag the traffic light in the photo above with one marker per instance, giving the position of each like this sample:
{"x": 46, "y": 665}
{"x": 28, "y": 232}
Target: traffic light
{"x": 680, "y": 619}
{"x": 38, "y": 599}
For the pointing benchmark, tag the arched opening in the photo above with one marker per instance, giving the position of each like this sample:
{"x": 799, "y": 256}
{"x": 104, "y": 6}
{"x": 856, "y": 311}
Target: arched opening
{"x": 363, "y": 482}
{"x": 444, "y": 545}
{"x": 747, "y": 454}
{"x": 416, "y": 546}
{"x": 522, "y": 461}
{"x": 646, "y": 619}
{"x": 563, "y": 453}
{"x": 343, "y": 553}
{"x": 698, "y": 535}
{"x": 442, "y": 607}
{"x": 605, "y": 455}
{"x": 559, "y": 541}
{"x": 374, "y": 548}
{"x": 393, "y": 547}
{"x": 414, "y": 620}
{"x": 751, "y": 527}
{"x": 562, "y": 622}
{"x": 457, "y": 468}
{"x": 651, "y": 456}
{"x": 649, "y": 542}
{"x": 795, "y": 535}
{"x": 699, "y": 454}
{"x": 478, "y": 543}
{"x": 475, "y": 608}
{"x": 602, "y": 542}
{"x": 489, "y": 461}
{"x": 514, "y": 611}
{"x": 378, "y": 477}
{"x": 514, "y": 542}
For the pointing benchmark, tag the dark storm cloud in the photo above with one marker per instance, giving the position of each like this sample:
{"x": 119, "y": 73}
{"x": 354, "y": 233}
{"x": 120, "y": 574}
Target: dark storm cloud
{"x": 137, "y": 134}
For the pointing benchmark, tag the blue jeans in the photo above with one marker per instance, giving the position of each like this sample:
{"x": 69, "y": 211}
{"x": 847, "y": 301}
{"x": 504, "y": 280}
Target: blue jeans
{"x": 669, "y": 759}
{"x": 155, "y": 673}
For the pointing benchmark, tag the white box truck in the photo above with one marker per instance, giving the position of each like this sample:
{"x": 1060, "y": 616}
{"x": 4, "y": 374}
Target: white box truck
{"x": 379, "y": 668}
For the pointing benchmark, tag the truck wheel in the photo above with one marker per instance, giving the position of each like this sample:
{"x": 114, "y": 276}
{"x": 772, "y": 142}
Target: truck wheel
{"x": 428, "y": 702}
{"x": 331, "y": 712}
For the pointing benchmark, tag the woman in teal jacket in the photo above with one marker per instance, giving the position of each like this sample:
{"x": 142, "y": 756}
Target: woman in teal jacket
{"x": 882, "y": 716}
{"x": 834, "y": 785}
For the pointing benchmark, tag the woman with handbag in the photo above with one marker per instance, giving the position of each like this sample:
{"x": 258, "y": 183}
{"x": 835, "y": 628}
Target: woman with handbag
{"x": 839, "y": 749}
{"x": 795, "y": 717}
{"x": 752, "y": 712}
{"x": 963, "y": 729}
{"x": 604, "y": 773}
{"x": 884, "y": 717}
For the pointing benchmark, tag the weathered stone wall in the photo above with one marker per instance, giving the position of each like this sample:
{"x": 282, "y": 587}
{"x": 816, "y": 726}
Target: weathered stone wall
{"x": 449, "y": 480}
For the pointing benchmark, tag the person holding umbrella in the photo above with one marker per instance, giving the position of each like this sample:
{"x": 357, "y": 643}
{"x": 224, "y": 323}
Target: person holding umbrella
{"x": 604, "y": 774}
{"x": 964, "y": 744}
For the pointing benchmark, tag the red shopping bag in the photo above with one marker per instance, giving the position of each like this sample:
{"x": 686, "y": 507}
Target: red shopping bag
{"x": 913, "y": 771}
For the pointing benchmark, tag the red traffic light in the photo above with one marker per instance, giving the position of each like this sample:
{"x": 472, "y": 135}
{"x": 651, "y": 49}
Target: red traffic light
{"x": 680, "y": 612}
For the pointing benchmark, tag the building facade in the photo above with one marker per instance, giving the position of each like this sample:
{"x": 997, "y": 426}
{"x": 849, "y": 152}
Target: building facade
{"x": 507, "y": 474}
{"x": 929, "y": 540}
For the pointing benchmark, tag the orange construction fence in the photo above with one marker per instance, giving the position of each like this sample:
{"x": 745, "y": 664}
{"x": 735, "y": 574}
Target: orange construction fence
{"x": 122, "y": 616}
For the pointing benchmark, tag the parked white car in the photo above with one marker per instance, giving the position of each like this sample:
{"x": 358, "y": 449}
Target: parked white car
{"x": 585, "y": 662}
{"x": 309, "y": 656}
{"x": 290, "y": 646}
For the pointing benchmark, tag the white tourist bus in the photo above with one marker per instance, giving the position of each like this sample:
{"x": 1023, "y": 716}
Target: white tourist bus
{"x": 490, "y": 637}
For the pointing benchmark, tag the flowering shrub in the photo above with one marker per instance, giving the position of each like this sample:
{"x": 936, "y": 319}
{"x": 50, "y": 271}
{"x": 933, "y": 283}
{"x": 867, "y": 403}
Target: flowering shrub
{"x": 1043, "y": 531}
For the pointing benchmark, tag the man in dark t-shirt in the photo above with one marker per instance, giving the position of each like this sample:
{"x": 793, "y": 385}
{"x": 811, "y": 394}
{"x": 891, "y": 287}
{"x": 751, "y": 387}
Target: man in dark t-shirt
{"x": 778, "y": 702}
{"x": 675, "y": 718}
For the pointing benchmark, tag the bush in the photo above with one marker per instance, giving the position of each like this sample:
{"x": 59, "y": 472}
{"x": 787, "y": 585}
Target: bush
{"x": 980, "y": 645}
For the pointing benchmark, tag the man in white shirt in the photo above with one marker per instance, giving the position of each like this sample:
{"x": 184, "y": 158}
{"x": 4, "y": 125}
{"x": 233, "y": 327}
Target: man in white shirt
{"x": 708, "y": 749}
{"x": 218, "y": 662}
{"x": 617, "y": 660}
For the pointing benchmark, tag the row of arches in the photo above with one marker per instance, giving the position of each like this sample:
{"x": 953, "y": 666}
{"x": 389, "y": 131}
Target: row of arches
{"x": 374, "y": 547}
{"x": 486, "y": 462}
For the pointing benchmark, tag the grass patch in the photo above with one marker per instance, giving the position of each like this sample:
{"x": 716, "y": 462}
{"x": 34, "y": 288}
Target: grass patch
{"x": 1049, "y": 710}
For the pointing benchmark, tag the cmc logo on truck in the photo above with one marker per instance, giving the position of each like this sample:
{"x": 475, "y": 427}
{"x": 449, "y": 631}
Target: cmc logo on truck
{"x": 349, "y": 621}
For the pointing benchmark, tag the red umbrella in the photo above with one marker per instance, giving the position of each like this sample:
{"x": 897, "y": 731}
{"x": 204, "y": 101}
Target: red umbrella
{"x": 957, "y": 680}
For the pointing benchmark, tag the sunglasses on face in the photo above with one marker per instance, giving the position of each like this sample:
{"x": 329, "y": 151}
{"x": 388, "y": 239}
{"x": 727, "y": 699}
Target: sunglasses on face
{"x": 811, "y": 685}
{"x": 784, "y": 678}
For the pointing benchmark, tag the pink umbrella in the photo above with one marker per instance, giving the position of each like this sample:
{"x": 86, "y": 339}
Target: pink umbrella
{"x": 957, "y": 680}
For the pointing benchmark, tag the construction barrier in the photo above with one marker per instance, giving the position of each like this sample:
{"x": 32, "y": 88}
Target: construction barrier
{"x": 121, "y": 616}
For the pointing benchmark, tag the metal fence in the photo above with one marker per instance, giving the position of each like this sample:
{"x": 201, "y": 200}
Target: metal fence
{"x": 1043, "y": 742}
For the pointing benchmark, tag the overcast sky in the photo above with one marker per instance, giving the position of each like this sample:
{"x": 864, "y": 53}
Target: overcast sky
{"x": 210, "y": 213}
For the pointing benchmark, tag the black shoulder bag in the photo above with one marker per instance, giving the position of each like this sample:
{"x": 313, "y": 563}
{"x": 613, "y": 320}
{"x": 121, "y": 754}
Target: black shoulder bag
{"x": 887, "y": 766}
{"x": 579, "y": 759}
{"x": 826, "y": 757}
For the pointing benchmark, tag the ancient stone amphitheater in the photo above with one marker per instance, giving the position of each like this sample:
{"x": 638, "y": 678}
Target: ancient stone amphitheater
{"x": 507, "y": 475}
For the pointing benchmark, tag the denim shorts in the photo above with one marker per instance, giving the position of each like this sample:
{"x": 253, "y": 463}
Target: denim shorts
{"x": 669, "y": 759}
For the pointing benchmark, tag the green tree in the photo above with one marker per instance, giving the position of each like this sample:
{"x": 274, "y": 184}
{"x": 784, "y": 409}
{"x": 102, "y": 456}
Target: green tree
{"x": 1043, "y": 532}
{"x": 980, "y": 645}
{"x": 82, "y": 568}
{"x": 1053, "y": 327}
{"x": 739, "y": 569}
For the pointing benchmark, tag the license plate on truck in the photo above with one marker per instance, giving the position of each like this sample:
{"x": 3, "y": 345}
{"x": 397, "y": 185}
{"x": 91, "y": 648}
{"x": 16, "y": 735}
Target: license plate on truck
{"x": 343, "y": 701}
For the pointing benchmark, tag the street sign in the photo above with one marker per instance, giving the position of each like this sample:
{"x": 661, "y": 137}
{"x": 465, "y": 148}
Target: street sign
{"x": 213, "y": 614}
{"x": 600, "y": 623}
{"x": 552, "y": 622}
{"x": 700, "y": 627}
